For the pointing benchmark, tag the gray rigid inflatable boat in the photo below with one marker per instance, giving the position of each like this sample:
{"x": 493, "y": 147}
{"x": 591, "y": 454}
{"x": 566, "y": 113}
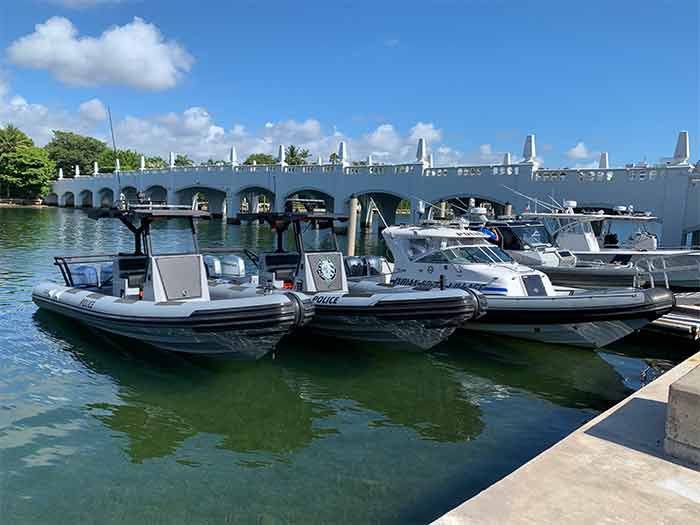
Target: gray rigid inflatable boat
{"x": 165, "y": 300}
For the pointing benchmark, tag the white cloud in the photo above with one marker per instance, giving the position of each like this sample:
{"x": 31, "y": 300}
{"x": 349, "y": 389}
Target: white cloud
{"x": 579, "y": 152}
{"x": 134, "y": 55}
{"x": 93, "y": 110}
{"x": 428, "y": 131}
{"x": 195, "y": 132}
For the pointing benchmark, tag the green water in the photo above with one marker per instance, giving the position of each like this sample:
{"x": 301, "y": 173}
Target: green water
{"x": 98, "y": 430}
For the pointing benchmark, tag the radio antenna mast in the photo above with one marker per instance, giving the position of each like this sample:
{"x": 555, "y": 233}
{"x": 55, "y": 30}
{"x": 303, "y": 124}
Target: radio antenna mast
{"x": 114, "y": 148}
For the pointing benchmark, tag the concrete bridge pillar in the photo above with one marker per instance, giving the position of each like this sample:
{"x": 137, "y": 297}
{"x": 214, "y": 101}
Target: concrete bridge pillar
{"x": 172, "y": 197}
{"x": 233, "y": 207}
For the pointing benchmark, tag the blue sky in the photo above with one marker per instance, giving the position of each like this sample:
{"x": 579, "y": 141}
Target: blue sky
{"x": 474, "y": 77}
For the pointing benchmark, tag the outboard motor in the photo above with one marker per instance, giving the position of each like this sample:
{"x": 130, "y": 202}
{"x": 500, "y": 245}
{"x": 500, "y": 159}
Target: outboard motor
{"x": 84, "y": 275}
{"x": 374, "y": 265}
{"x": 355, "y": 266}
{"x": 226, "y": 266}
{"x": 232, "y": 266}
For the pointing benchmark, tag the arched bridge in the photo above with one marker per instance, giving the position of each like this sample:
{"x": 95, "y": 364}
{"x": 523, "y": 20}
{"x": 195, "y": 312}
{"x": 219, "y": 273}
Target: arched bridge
{"x": 670, "y": 190}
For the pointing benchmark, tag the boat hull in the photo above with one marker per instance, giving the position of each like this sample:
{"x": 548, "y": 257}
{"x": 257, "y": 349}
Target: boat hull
{"x": 590, "y": 319}
{"x": 593, "y": 277}
{"x": 240, "y": 329}
{"x": 409, "y": 319}
{"x": 683, "y": 269}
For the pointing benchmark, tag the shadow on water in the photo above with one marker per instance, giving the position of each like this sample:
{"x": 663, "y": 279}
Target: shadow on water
{"x": 408, "y": 388}
{"x": 272, "y": 405}
{"x": 166, "y": 399}
{"x": 567, "y": 376}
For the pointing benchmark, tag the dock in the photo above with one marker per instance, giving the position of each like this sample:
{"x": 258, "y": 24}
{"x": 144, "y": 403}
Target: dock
{"x": 614, "y": 469}
{"x": 683, "y": 321}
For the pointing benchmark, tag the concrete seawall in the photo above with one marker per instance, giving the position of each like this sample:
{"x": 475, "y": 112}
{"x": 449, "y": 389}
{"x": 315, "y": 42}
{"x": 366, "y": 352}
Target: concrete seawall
{"x": 611, "y": 470}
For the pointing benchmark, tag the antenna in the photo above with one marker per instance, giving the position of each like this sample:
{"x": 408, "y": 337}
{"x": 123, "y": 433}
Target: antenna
{"x": 114, "y": 148}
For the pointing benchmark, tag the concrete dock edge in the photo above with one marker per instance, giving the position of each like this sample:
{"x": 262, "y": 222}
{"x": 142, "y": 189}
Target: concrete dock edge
{"x": 613, "y": 469}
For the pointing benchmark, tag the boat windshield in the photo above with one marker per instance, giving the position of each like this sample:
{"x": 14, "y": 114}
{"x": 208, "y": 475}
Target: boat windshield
{"x": 418, "y": 247}
{"x": 467, "y": 255}
{"x": 318, "y": 236}
{"x": 531, "y": 235}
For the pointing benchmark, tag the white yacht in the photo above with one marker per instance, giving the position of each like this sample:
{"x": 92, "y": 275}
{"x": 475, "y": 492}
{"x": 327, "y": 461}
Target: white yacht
{"x": 592, "y": 237}
{"x": 528, "y": 242}
{"x": 522, "y": 302}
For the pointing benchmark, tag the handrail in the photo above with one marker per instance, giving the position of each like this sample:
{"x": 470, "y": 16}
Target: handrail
{"x": 659, "y": 264}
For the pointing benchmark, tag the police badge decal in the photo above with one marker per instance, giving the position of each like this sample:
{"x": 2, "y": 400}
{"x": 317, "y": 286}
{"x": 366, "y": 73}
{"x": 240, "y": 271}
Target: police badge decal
{"x": 326, "y": 269}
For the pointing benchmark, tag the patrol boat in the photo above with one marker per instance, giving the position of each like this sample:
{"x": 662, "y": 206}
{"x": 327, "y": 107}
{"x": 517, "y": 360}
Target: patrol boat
{"x": 307, "y": 259}
{"x": 164, "y": 300}
{"x": 583, "y": 233}
{"x": 522, "y": 302}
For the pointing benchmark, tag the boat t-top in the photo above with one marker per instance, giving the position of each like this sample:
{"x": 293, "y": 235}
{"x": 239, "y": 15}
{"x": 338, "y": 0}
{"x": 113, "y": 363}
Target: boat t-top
{"x": 591, "y": 236}
{"x": 349, "y": 304}
{"x": 164, "y": 300}
{"x": 522, "y": 302}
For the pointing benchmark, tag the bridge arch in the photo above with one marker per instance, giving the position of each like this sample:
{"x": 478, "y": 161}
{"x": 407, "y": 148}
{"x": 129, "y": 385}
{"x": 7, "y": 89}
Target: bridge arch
{"x": 157, "y": 194}
{"x": 254, "y": 198}
{"x": 386, "y": 202}
{"x": 51, "y": 199}
{"x": 85, "y": 199}
{"x": 106, "y": 198}
{"x": 67, "y": 200}
{"x": 312, "y": 193}
{"x": 130, "y": 193}
{"x": 212, "y": 199}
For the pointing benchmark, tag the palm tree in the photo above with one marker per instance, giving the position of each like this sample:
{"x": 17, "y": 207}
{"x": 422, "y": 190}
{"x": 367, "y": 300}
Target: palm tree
{"x": 11, "y": 138}
{"x": 334, "y": 158}
{"x": 296, "y": 155}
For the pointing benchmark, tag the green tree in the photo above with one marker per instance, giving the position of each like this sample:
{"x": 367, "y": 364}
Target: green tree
{"x": 294, "y": 155}
{"x": 69, "y": 149}
{"x": 11, "y": 138}
{"x": 156, "y": 163}
{"x": 260, "y": 158}
{"x": 183, "y": 160}
{"x": 129, "y": 160}
{"x": 26, "y": 172}
{"x": 212, "y": 162}
{"x": 334, "y": 158}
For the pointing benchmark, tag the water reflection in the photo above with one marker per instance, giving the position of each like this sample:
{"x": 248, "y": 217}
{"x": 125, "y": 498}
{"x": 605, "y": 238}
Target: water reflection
{"x": 274, "y": 407}
{"x": 410, "y": 389}
{"x": 569, "y": 377}
{"x": 166, "y": 399}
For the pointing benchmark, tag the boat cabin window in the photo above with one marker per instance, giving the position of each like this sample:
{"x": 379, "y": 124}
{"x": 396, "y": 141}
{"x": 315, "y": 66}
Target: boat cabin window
{"x": 467, "y": 255}
{"x": 523, "y": 237}
{"x": 438, "y": 257}
{"x": 418, "y": 247}
{"x": 318, "y": 236}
